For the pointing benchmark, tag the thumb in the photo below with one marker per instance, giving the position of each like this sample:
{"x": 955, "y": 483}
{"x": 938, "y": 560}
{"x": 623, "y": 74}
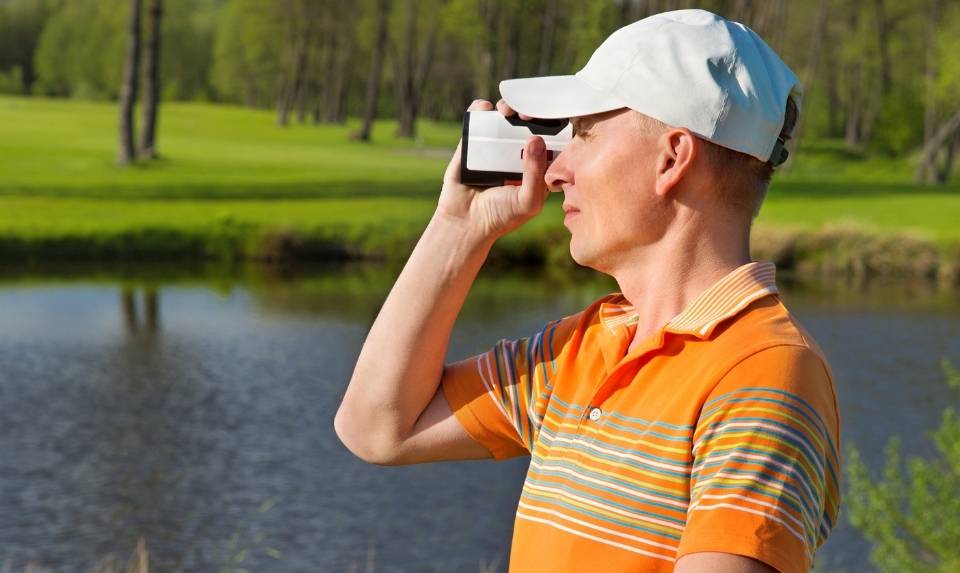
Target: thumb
{"x": 533, "y": 189}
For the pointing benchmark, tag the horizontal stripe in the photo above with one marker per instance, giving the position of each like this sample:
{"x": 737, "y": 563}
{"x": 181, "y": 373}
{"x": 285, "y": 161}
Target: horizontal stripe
{"x": 565, "y": 490}
{"x": 613, "y": 480}
{"x": 521, "y": 515}
{"x": 766, "y": 515}
{"x": 635, "y": 459}
{"x": 673, "y": 464}
{"x": 559, "y": 504}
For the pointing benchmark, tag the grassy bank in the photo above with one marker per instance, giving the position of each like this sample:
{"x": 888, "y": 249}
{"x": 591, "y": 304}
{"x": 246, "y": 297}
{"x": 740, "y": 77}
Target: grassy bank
{"x": 232, "y": 185}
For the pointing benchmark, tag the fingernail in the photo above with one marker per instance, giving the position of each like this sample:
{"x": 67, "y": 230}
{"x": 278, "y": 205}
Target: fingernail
{"x": 536, "y": 147}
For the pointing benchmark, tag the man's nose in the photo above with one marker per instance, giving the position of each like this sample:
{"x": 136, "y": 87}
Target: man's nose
{"x": 558, "y": 173}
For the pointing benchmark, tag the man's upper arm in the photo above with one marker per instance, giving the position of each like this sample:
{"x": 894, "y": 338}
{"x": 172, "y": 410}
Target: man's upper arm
{"x": 438, "y": 436}
{"x": 765, "y": 479}
{"x": 490, "y": 405}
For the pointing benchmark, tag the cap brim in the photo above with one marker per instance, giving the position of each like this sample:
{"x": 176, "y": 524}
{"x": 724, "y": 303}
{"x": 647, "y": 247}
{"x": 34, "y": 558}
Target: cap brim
{"x": 555, "y": 97}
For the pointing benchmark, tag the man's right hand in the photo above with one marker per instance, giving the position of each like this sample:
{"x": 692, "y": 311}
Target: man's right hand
{"x": 491, "y": 212}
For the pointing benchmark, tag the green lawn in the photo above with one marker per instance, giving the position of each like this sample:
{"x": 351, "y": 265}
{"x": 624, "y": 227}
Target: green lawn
{"x": 231, "y": 171}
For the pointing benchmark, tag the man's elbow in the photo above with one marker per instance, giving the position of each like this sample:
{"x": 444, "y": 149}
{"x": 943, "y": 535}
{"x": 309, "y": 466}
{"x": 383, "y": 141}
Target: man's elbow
{"x": 363, "y": 442}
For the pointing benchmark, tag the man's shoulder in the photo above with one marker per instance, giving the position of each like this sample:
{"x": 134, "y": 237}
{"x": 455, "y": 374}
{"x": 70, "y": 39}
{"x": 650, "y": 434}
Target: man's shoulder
{"x": 767, "y": 323}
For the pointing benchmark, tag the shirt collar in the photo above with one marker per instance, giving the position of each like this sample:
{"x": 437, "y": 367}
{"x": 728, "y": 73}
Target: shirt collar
{"x": 723, "y": 300}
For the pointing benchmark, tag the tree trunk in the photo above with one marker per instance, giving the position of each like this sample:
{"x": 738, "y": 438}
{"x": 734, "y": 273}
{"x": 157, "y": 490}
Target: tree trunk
{"x": 490, "y": 15}
{"x": 338, "y": 54}
{"x": 930, "y": 80}
{"x": 810, "y": 73}
{"x": 403, "y": 73}
{"x": 126, "y": 152}
{"x": 376, "y": 69}
{"x": 927, "y": 171}
{"x": 855, "y": 95}
{"x": 834, "y": 128}
{"x": 883, "y": 40}
{"x": 943, "y": 174}
{"x": 151, "y": 81}
{"x": 512, "y": 52}
{"x": 547, "y": 35}
{"x": 293, "y": 79}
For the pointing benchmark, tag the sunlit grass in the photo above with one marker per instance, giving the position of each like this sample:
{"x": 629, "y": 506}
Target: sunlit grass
{"x": 231, "y": 172}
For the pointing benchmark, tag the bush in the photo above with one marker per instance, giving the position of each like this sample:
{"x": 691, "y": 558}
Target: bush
{"x": 912, "y": 518}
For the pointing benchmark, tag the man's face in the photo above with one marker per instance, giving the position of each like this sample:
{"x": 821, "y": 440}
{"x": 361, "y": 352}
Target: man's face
{"x": 607, "y": 175}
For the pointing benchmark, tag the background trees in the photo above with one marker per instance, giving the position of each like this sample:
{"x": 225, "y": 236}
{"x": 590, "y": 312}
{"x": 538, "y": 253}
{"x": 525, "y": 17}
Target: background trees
{"x": 880, "y": 75}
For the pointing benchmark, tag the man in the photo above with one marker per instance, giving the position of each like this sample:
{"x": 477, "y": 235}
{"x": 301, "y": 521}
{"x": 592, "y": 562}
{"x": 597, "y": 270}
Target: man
{"x": 685, "y": 424}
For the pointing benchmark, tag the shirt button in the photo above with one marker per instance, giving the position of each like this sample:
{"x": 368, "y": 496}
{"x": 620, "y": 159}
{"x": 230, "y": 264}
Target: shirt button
{"x": 595, "y": 414}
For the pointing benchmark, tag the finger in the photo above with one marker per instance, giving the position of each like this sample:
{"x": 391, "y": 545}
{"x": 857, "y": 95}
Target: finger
{"x": 452, "y": 174}
{"x": 480, "y": 105}
{"x": 505, "y": 109}
{"x": 533, "y": 189}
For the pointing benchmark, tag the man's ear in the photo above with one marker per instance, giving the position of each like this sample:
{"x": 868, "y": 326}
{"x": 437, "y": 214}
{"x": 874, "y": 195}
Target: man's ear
{"x": 677, "y": 149}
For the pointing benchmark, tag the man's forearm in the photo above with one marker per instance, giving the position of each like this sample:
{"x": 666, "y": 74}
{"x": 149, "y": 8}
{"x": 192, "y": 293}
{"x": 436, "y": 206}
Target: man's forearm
{"x": 401, "y": 362}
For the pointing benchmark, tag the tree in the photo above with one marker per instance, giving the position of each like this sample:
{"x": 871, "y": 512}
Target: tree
{"x": 338, "y": 71}
{"x": 81, "y": 61}
{"x": 248, "y": 61}
{"x": 126, "y": 152}
{"x": 376, "y": 71}
{"x": 942, "y": 87}
{"x": 151, "y": 81}
{"x": 913, "y": 520}
{"x": 413, "y": 46}
{"x": 299, "y": 31}
{"x": 21, "y": 24}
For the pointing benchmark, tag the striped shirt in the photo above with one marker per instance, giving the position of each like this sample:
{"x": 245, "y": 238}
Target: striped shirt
{"x": 718, "y": 433}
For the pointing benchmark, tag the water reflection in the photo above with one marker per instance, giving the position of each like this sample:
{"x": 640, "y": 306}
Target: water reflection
{"x": 203, "y": 421}
{"x": 151, "y": 310}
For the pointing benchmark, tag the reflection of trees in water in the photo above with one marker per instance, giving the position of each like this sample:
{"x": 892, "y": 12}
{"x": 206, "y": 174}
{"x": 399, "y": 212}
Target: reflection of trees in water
{"x": 131, "y": 315}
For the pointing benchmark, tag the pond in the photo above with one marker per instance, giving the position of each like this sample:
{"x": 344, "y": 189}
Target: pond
{"x": 193, "y": 407}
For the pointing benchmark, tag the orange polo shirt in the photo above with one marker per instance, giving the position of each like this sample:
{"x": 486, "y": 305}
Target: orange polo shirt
{"x": 719, "y": 433}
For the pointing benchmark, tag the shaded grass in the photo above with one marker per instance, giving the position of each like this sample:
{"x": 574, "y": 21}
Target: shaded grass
{"x": 233, "y": 185}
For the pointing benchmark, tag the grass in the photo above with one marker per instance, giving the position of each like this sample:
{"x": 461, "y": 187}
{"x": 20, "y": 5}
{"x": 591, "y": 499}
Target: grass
{"x": 231, "y": 184}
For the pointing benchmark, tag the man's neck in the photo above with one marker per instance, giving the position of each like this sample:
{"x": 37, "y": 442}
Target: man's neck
{"x": 665, "y": 279}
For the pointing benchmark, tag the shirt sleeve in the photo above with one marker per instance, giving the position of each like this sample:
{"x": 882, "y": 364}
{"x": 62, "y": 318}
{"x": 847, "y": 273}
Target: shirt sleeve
{"x": 500, "y": 396}
{"x": 766, "y": 474}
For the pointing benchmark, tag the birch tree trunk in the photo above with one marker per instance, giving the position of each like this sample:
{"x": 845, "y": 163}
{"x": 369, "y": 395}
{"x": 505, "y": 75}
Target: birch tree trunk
{"x": 376, "y": 72}
{"x": 942, "y": 138}
{"x": 151, "y": 81}
{"x": 126, "y": 153}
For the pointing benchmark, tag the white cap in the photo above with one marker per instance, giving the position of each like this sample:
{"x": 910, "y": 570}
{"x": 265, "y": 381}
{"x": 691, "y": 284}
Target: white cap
{"x": 687, "y": 68}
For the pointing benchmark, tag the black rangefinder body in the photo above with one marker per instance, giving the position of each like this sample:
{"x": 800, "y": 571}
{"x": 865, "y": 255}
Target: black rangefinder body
{"x": 492, "y": 149}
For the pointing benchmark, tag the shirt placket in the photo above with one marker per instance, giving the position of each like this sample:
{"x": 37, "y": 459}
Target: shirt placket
{"x": 625, "y": 369}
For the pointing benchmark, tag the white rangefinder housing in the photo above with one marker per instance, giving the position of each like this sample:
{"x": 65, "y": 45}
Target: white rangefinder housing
{"x": 493, "y": 145}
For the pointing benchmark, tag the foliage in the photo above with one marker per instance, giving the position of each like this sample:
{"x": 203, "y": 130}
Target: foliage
{"x": 232, "y": 186}
{"x": 864, "y": 69}
{"x": 248, "y": 52}
{"x": 189, "y": 28}
{"x": 948, "y": 44}
{"x": 913, "y": 516}
{"x": 21, "y": 22}
{"x": 82, "y": 61}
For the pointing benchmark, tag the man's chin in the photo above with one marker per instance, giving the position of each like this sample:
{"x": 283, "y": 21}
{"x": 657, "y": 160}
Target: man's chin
{"x": 580, "y": 254}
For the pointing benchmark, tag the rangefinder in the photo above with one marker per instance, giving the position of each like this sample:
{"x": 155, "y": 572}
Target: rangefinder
{"x": 492, "y": 145}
